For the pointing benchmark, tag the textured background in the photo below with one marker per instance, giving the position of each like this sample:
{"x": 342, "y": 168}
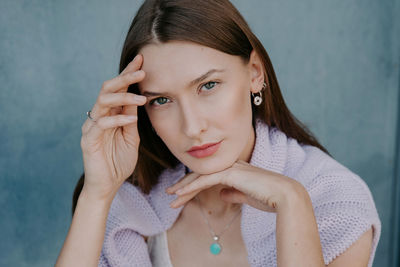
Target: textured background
{"x": 337, "y": 63}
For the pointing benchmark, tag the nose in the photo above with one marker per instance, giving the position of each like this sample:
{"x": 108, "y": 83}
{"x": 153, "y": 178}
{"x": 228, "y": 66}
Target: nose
{"x": 194, "y": 121}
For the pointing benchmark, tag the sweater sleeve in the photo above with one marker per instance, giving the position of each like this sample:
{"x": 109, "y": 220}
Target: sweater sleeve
{"x": 127, "y": 248}
{"x": 344, "y": 209}
{"x": 103, "y": 261}
{"x": 129, "y": 217}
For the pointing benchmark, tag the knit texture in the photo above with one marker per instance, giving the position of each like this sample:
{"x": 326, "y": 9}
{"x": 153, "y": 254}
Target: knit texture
{"x": 343, "y": 206}
{"x": 158, "y": 250}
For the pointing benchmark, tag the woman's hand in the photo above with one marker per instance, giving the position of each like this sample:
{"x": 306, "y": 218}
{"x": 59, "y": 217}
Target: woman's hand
{"x": 262, "y": 189}
{"x": 110, "y": 143}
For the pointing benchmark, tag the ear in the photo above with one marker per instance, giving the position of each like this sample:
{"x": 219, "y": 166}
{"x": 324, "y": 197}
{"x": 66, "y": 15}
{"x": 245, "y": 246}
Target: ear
{"x": 256, "y": 72}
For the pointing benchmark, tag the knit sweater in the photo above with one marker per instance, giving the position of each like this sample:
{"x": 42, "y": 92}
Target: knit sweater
{"x": 342, "y": 202}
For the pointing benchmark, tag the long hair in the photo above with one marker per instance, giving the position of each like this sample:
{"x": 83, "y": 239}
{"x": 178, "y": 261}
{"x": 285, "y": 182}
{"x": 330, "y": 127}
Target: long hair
{"x": 213, "y": 23}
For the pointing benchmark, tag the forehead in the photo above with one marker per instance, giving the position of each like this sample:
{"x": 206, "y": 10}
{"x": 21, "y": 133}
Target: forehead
{"x": 180, "y": 62}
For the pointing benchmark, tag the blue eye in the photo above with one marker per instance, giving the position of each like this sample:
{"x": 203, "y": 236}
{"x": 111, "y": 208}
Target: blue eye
{"x": 162, "y": 100}
{"x": 208, "y": 83}
{"x": 159, "y": 103}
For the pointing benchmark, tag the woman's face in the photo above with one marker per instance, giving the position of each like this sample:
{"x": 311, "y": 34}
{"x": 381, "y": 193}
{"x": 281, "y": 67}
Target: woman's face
{"x": 186, "y": 111}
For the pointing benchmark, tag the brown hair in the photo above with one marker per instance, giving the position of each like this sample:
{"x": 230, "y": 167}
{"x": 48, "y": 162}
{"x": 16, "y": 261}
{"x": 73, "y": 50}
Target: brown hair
{"x": 212, "y": 23}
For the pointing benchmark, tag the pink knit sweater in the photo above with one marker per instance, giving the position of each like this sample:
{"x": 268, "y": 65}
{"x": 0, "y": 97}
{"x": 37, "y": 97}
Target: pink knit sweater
{"x": 342, "y": 202}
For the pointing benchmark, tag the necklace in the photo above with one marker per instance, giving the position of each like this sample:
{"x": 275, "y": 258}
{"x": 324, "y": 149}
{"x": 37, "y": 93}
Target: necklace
{"x": 215, "y": 247}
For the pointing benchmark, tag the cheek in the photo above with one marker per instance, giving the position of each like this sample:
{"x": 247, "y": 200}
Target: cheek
{"x": 166, "y": 129}
{"x": 233, "y": 106}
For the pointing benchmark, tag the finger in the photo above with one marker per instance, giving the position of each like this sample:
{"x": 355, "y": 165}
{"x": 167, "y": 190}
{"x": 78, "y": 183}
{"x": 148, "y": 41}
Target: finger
{"x": 120, "y": 99}
{"x": 131, "y": 109}
{"x": 182, "y": 200}
{"x": 107, "y": 101}
{"x": 121, "y": 82}
{"x": 86, "y": 126}
{"x": 118, "y": 84}
{"x": 135, "y": 64}
{"x": 130, "y": 131}
{"x": 108, "y": 122}
{"x": 188, "y": 178}
{"x": 204, "y": 182}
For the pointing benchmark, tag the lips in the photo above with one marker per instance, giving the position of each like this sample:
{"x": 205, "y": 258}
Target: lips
{"x": 204, "y": 150}
{"x": 201, "y": 147}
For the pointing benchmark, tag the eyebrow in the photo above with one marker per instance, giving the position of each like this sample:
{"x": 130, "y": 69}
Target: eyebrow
{"x": 192, "y": 83}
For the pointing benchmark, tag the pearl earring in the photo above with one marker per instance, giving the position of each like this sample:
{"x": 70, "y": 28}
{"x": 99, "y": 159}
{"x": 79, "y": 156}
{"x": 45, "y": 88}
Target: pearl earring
{"x": 258, "y": 99}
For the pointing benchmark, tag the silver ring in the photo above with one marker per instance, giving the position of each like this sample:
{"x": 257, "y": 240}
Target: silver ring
{"x": 90, "y": 117}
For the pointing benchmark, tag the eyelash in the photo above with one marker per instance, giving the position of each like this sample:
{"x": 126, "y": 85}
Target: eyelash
{"x": 151, "y": 103}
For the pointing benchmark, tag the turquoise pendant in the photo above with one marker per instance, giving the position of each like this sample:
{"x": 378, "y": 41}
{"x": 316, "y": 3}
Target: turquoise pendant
{"x": 215, "y": 247}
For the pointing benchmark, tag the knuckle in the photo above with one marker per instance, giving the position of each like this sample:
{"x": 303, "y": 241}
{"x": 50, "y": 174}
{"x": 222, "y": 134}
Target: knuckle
{"x": 106, "y": 85}
{"x": 101, "y": 123}
{"x": 83, "y": 143}
{"x": 102, "y": 99}
{"x": 83, "y": 128}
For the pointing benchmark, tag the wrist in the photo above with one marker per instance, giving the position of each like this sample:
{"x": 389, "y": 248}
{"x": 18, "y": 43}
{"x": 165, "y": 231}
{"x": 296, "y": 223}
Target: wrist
{"x": 294, "y": 195}
{"x": 88, "y": 196}
{"x": 297, "y": 230}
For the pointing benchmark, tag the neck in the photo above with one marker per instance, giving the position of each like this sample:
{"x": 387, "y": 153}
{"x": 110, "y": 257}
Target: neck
{"x": 213, "y": 205}
{"x": 210, "y": 199}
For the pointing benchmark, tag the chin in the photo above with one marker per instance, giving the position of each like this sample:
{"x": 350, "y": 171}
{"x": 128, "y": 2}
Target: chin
{"x": 209, "y": 166}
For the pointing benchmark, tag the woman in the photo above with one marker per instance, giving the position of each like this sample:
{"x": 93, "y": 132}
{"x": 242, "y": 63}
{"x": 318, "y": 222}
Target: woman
{"x": 199, "y": 109}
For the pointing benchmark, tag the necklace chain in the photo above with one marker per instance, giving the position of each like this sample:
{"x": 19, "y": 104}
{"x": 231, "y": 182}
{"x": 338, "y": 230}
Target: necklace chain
{"x": 208, "y": 223}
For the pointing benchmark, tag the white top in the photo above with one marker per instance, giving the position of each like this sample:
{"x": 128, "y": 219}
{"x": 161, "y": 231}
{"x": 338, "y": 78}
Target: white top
{"x": 158, "y": 250}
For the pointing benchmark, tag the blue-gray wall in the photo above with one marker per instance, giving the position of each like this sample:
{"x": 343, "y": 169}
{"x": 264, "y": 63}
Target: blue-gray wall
{"x": 337, "y": 63}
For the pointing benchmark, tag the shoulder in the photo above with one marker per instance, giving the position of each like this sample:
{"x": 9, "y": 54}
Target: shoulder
{"x": 344, "y": 208}
{"x": 320, "y": 173}
{"x": 358, "y": 254}
{"x": 342, "y": 202}
{"x": 336, "y": 191}
{"x": 328, "y": 181}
